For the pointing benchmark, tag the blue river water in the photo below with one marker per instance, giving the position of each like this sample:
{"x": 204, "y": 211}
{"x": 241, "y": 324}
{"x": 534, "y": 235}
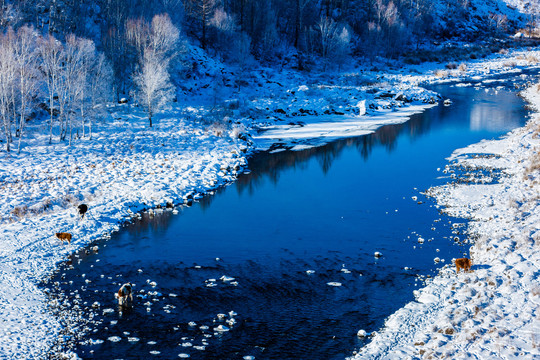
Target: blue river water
{"x": 287, "y": 251}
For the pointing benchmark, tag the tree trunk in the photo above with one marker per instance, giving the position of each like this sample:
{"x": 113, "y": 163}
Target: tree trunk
{"x": 7, "y": 131}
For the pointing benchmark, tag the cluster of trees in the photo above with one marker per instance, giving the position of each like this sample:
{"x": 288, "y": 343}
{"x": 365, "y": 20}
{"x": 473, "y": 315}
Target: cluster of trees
{"x": 68, "y": 80}
{"x": 71, "y": 79}
{"x": 65, "y": 60}
{"x": 266, "y": 29}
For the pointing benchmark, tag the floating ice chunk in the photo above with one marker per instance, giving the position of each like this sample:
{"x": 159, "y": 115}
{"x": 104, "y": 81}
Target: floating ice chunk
{"x": 232, "y": 313}
{"x": 218, "y": 259}
{"x": 437, "y": 260}
{"x": 203, "y": 327}
{"x": 231, "y": 322}
{"x": 345, "y": 271}
{"x": 139, "y": 270}
{"x": 155, "y": 352}
{"x": 96, "y": 342}
{"x": 183, "y": 356}
{"x": 133, "y": 339}
{"x": 151, "y": 343}
{"x": 249, "y": 357}
{"x": 414, "y": 198}
{"x": 201, "y": 348}
{"x": 197, "y": 266}
{"x": 173, "y": 295}
{"x": 151, "y": 283}
{"x": 108, "y": 311}
{"x": 421, "y": 240}
{"x": 303, "y": 88}
{"x": 221, "y": 328}
{"x": 114, "y": 338}
{"x": 226, "y": 278}
{"x": 362, "y": 333}
{"x": 309, "y": 272}
{"x": 211, "y": 284}
{"x": 234, "y": 283}
{"x": 333, "y": 283}
{"x": 406, "y": 268}
{"x": 186, "y": 344}
{"x": 378, "y": 254}
{"x": 96, "y": 304}
{"x": 221, "y": 316}
{"x": 192, "y": 323}
{"x": 175, "y": 212}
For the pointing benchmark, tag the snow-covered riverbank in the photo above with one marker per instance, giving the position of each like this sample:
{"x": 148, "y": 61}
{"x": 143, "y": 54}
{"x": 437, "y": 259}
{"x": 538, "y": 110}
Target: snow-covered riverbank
{"x": 491, "y": 312}
{"x": 127, "y": 168}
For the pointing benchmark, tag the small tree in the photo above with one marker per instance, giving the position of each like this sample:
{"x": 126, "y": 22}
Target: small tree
{"x": 164, "y": 37}
{"x": 52, "y": 56}
{"x": 335, "y": 41}
{"x": 152, "y": 80}
{"x": 101, "y": 78}
{"x": 25, "y": 54}
{"x": 7, "y": 84}
{"x": 153, "y": 83}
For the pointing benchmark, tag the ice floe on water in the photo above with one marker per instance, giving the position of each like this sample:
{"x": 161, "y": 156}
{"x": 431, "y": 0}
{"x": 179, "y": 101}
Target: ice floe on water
{"x": 114, "y": 338}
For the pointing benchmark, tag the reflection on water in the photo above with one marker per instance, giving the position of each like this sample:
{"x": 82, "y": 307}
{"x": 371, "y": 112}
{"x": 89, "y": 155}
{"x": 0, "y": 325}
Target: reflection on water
{"x": 287, "y": 249}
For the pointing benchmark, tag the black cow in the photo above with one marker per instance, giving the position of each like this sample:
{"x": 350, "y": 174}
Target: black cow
{"x": 83, "y": 208}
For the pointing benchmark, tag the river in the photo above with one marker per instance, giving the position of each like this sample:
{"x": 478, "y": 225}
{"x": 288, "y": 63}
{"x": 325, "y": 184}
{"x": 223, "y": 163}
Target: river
{"x": 287, "y": 251}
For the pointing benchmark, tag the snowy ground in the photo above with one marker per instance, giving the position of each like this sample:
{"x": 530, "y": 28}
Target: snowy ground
{"x": 127, "y": 168}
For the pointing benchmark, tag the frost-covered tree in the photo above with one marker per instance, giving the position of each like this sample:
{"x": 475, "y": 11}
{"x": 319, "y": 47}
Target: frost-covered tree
{"x": 137, "y": 33}
{"x": 164, "y": 37}
{"x": 86, "y": 57}
{"x": 152, "y": 79}
{"x": 7, "y": 84}
{"x": 51, "y": 56}
{"x": 153, "y": 84}
{"x": 100, "y": 84}
{"x": 334, "y": 41}
{"x": 26, "y": 59}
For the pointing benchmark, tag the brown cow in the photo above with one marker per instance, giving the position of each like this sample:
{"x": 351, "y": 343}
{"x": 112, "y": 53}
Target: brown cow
{"x": 464, "y": 264}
